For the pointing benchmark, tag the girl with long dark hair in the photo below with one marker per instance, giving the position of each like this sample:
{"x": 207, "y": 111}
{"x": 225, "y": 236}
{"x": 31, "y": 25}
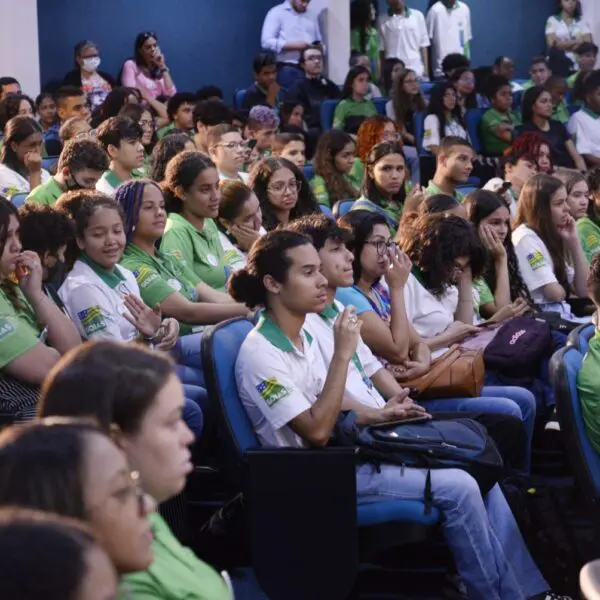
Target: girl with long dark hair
{"x": 354, "y": 107}
{"x": 444, "y": 117}
{"x": 588, "y": 227}
{"x": 364, "y": 37}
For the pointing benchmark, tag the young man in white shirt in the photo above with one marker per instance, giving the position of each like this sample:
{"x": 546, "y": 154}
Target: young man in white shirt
{"x": 403, "y": 34}
{"x": 293, "y": 400}
{"x": 227, "y": 150}
{"x": 449, "y": 27}
{"x": 584, "y": 125}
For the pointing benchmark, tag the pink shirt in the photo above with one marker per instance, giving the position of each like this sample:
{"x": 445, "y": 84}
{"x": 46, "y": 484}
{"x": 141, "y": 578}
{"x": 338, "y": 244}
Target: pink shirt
{"x": 134, "y": 77}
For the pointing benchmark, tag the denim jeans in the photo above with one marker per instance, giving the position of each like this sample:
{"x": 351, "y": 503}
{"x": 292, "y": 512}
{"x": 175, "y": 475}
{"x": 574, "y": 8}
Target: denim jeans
{"x": 489, "y": 552}
{"x": 188, "y": 356}
{"x": 192, "y": 413}
{"x": 414, "y": 166}
{"x": 507, "y": 400}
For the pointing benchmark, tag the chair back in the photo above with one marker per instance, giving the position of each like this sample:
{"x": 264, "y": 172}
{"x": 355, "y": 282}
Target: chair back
{"x": 49, "y": 162}
{"x": 419, "y": 123}
{"x": 580, "y": 337}
{"x": 19, "y": 199}
{"x": 309, "y": 172}
{"x": 238, "y": 99}
{"x": 327, "y": 112}
{"x": 326, "y": 211}
{"x": 380, "y": 105}
{"x": 473, "y": 120}
{"x": 342, "y": 207}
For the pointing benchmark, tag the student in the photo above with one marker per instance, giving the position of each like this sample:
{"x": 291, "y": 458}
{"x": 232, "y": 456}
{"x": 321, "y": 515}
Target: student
{"x": 588, "y": 227}
{"x": 403, "y": 35}
{"x": 133, "y": 393}
{"x": 578, "y": 194}
{"x": 290, "y": 146}
{"x": 334, "y": 159}
{"x": 192, "y": 196}
{"x": 291, "y": 114}
{"x": 74, "y": 470}
{"x": 454, "y": 165}
{"x": 37, "y": 332}
{"x": 504, "y": 66}
{"x": 353, "y": 108}
{"x": 48, "y": 119}
{"x": 15, "y": 105}
{"x": 166, "y": 148}
{"x": 75, "y": 128}
{"x": 362, "y": 60}
{"x": 80, "y": 166}
{"x": 95, "y": 84}
{"x": 9, "y": 85}
{"x": 143, "y": 117}
{"x": 537, "y": 113}
{"x": 282, "y": 190}
{"x": 20, "y": 157}
{"x": 392, "y": 69}
{"x": 539, "y": 71}
{"x": 364, "y": 37}
{"x": 407, "y": 100}
{"x": 464, "y": 84}
{"x": 71, "y": 102}
{"x": 118, "y": 98}
{"x": 262, "y": 127}
{"x": 265, "y": 91}
{"x": 120, "y": 137}
{"x": 499, "y": 121}
{"x": 550, "y": 257}
{"x": 557, "y": 87}
{"x": 239, "y": 222}
{"x": 209, "y": 114}
{"x": 454, "y": 61}
{"x": 444, "y": 117}
{"x": 283, "y": 275}
{"x": 587, "y": 54}
{"x": 449, "y": 28}
{"x": 148, "y": 70}
{"x": 584, "y": 125}
{"x": 227, "y": 149}
{"x": 180, "y": 111}
{"x": 49, "y": 556}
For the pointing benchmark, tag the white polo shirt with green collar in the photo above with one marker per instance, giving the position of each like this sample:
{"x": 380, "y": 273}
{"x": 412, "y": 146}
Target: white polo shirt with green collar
{"x": 108, "y": 183}
{"x": 277, "y": 382}
{"x": 584, "y": 126}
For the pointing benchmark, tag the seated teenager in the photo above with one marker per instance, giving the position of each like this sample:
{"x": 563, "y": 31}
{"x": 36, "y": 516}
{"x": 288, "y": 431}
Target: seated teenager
{"x": 584, "y": 125}
{"x": 557, "y": 87}
{"x": 291, "y": 114}
{"x": 354, "y": 107}
{"x": 118, "y": 98}
{"x": 144, "y": 118}
{"x": 393, "y": 68}
{"x": 209, "y": 114}
{"x": 499, "y": 122}
{"x": 121, "y": 139}
{"x": 586, "y": 54}
{"x": 539, "y": 72}
{"x": 333, "y": 162}
{"x": 180, "y": 111}
{"x": 227, "y": 149}
{"x": 578, "y": 193}
{"x": 261, "y": 128}
{"x": 75, "y": 128}
{"x": 550, "y": 256}
{"x": 166, "y": 148}
{"x": 283, "y": 275}
{"x": 71, "y": 102}
{"x": 504, "y": 66}
{"x": 48, "y": 119}
{"x": 454, "y": 165}
{"x": 463, "y": 80}
{"x": 72, "y": 469}
{"x": 282, "y": 190}
{"x": 209, "y": 92}
{"x": 47, "y": 556}
{"x": 264, "y": 91}
{"x": 290, "y": 146}
{"x": 9, "y": 85}
{"x": 20, "y": 157}
{"x": 407, "y": 100}
{"x": 192, "y": 196}
{"x": 134, "y": 395}
{"x": 588, "y": 227}
{"x": 239, "y": 222}
{"x": 80, "y": 166}
{"x": 444, "y": 118}
{"x": 537, "y": 113}
{"x": 15, "y": 105}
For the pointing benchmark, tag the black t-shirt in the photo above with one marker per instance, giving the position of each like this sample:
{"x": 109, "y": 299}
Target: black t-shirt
{"x": 557, "y": 136}
{"x": 311, "y": 93}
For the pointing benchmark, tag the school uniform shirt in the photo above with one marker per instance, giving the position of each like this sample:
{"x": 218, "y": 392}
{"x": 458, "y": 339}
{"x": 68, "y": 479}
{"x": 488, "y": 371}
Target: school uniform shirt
{"x": 433, "y": 190}
{"x": 93, "y": 298}
{"x": 363, "y": 365}
{"x": 371, "y": 47}
{"x": 350, "y": 113}
{"x": 12, "y": 183}
{"x": 319, "y": 188}
{"x": 556, "y": 137}
{"x": 588, "y": 384}
{"x": 175, "y": 573}
{"x": 198, "y": 250}
{"x": 392, "y": 211}
{"x": 402, "y": 36}
{"x": 20, "y": 329}
{"x": 243, "y": 177}
{"x": 311, "y": 92}
{"x": 584, "y": 126}
{"x": 108, "y": 183}
{"x": 433, "y": 135}
{"x": 450, "y": 32}
{"x": 159, "y": 276}
{"x": 589, "y": 236}
{"x": 46, "y": 193}
{"x": 492, "y": 144}
{"x": 235, "y": 258}
{"x": 564, "y": 32}
{"x": 536, "y": 264}
{"x": 560, "y": 112}
{"x": 484, "y": 294}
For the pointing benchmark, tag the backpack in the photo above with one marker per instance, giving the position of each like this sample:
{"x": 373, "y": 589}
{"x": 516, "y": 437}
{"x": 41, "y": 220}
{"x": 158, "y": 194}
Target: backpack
{"x": 434, "y": 444}
{"x": 518, "y": 349}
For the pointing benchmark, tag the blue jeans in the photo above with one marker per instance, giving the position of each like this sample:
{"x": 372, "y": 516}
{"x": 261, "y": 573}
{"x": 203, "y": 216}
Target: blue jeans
{"x": 506, "y": 400}
{"x": 192, "y": 413}
{"x": 188, "y": 356}
{"x": 489, "y": 552}
{"x": 414, "y": 166}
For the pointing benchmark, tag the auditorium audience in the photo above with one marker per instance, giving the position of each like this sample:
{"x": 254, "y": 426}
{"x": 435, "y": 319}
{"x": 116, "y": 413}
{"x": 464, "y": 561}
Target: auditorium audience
{"x": 166, "y": 148}
{"x": 584, "y": 125}
{"x": 143, "y": 117}
{"x": 444, "y": 117}
{"x": 71, "y": 102}
{"x": 15, "y": 105}
{"x": 290, "y": 146}
{"x": 364, "y": 37}
{"x": 75, "y": 128}
{"x": 578, "y": 193}
{"x": 354, "y": 107}
{"x": 9, "y": 85}
{"x": 180, "y": 111}
{"x": 48, "y": 119}
{"x": 454, "y": 165}
{"x": 499, "y": 122}
{"x": 588, "y": 227}
{"x": 208, "y": 114}
{"x": 118, "y": 98}
{"x": 265, "y": 90}
{"x": 227, "y": 149}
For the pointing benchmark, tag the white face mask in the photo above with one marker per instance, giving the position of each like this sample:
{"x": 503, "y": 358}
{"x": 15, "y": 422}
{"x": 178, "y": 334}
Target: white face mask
{"x": 91, "y": 64}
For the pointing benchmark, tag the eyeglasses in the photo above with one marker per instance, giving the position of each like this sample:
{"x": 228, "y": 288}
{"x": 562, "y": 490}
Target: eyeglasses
{"x": 281, "y": 187}
{"x": 391, "y": 136}
{"x": 382, "y": 247}
{"x": 134, "y": 488}
{"x": 234, "y": 145}
{"x": 83, "y": 135}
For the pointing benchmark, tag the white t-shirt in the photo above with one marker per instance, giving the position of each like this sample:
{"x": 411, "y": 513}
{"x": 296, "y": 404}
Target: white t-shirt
{"x": 433, "y": 136}
{"x": 12, "y": 182}
{"x": 584, "y": 126}
{"x": 535, "y": 263}
{"x": 403, "y": 36}
{"x": 95, "y": 306}
{"x": 358, "y": 385}
{"x": 449, "y": 30}
{"x": 277, "y": 382}
{"x": 243, "y": 177}
{"x": 565, "y": 32}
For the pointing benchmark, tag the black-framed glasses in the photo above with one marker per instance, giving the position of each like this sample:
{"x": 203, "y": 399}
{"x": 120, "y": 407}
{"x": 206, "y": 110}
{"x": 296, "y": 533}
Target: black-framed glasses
{"x": 382, "y": 247}
{"x": 281, "y": 187}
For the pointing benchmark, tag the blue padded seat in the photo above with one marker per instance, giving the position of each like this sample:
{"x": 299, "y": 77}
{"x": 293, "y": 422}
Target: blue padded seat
{"x": 309, "y": 171}
{"x": 473, "y": 120}
{"x": 380, "y": 105}
{"x": 580, "y": 337}
{"x": 49, "y": 162}
{"x": 342, "y": 207}
{"x": 327, "y": 112}
{"x": 19, "y": 199}
{"x": 238, "y": 99}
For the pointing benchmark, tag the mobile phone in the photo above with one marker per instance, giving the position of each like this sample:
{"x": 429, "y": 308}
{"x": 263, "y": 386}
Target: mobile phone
{"x": 404, "y": 422}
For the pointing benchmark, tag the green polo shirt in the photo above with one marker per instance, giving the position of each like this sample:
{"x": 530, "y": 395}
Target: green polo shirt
{"x": 486, "y": 296}
{"x": 175, "y": 573}
{"x": 588, "y": 384}
{"x": 571, "y": 79}
{"x": 371, "y": 47}
{"x": 432, "y": 190}
{"x": 589, "y": 236}
{"x": 319, "y": 188}
{"x": 19, "y": 327}
{"x": 357, "y": 173}
{"x": 159, "y": 276}
{"x": 164, "y": 130}
{"x": 46, "y": 193}
{"x": 349, "y": 107}
{"x": 199, "y": 250}
{"x": 560, "y": 112}
{"x": 492, "y": 144}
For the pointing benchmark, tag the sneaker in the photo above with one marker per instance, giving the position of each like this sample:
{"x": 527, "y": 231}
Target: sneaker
{"x": 553, "y": 425}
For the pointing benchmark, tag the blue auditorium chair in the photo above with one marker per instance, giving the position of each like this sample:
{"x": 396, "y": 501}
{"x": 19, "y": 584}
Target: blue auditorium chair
{"x": 342, "y": 207}
{"x": 326, "y": 211}
{"x": 473, "y": 120}
{"x": 419, "y": 123}
{"x": 380, "y": 105}
{"x": 309, "y": 171}
{"x": 573, "y": 108}
{"x": 327, "y": 112}
{"x": 580, "y": 337}
{"x": 19, "y": 199}
{"x": 238, "y": 99}
{"x": 49, "y": 162}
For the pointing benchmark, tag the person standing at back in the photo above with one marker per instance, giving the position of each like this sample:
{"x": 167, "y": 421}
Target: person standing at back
{"x": 289, "y": 28}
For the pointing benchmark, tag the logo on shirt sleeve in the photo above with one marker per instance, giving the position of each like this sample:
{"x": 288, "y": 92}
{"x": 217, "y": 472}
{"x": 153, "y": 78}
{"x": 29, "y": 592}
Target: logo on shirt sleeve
{"x": 92, "y": 320}
{"x": 272, "y": 391}
{"x": 6, "y": 328}
{"x": 536, "y": 260}
{"x": 145, "y": 277}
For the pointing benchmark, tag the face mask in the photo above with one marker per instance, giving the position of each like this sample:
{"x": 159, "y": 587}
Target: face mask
{"x": 91, "y": 64}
